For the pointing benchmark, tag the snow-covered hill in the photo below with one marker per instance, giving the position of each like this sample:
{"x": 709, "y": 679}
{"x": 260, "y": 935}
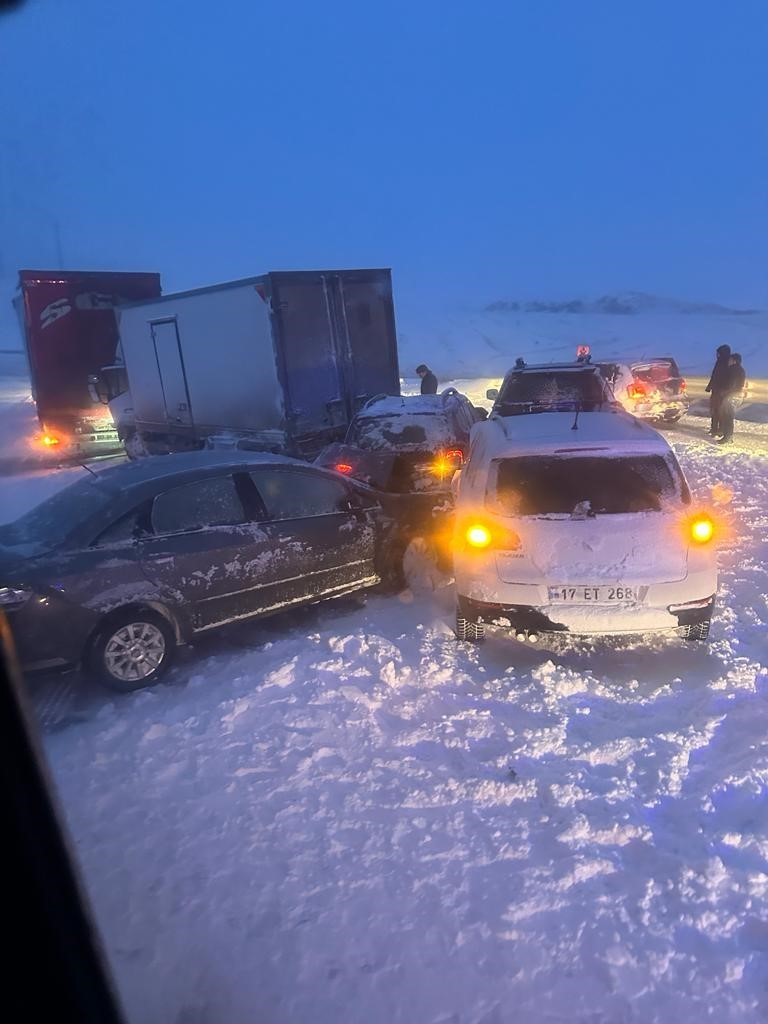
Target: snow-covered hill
{"x": 486, "y": 342}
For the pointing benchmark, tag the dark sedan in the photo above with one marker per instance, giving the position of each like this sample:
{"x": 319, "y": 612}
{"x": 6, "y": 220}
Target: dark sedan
{"x": 117, "y": 569}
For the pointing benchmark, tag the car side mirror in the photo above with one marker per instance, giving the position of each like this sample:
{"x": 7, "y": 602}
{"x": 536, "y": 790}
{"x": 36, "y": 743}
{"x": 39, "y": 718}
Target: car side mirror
{"x": 492, "y": 394}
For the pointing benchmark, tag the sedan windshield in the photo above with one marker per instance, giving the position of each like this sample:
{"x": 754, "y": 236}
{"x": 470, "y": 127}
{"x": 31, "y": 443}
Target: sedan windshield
{"x": 551, "y": 485}
{"x": 51, "y": 522}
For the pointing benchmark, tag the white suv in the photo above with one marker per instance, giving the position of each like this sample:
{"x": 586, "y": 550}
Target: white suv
{"x": 579, "y": 524}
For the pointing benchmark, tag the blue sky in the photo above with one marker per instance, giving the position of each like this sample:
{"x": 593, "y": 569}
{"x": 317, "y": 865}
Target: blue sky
{"x": 484, "y": 150}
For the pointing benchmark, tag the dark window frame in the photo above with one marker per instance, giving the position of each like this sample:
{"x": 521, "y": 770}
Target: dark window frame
{"x": 143, "y": 515}
{"x": 226, "y": 475}
{"x": 354, "y": 502}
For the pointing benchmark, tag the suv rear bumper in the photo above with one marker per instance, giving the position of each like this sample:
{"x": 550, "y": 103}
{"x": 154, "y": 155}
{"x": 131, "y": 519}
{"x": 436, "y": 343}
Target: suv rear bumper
{"x": 663, "y": 409}
{"x": 626, "y": 621}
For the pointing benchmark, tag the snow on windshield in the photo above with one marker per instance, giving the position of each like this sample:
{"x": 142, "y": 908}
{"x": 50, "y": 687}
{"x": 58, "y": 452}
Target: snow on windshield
{"x": 548, "y": 388}
{"x": 552, "y": 485}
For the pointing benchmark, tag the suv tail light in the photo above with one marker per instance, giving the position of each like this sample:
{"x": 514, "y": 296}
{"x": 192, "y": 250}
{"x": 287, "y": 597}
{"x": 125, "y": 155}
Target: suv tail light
{"x": 701, "y": 528}
{"x": 477, "y": 535}
{"x": 683, "y": 384}
{"x": 448, "y": 462}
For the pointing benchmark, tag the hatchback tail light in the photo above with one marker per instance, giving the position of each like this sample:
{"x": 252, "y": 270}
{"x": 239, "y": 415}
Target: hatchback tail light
{"x": 478, "y": 535}
{"x": 702, "y": 528}
{"x": 683, "y": 384}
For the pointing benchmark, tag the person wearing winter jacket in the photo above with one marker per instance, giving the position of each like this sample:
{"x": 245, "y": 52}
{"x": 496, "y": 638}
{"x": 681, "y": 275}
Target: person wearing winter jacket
{"x": 718, "y": 388}
{"x": 428, "y": 380}
{"x": 737, "y": 378}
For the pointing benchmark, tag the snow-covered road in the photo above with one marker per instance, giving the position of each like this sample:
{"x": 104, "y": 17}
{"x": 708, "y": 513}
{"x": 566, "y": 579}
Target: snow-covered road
{"x": 343, "y": 816}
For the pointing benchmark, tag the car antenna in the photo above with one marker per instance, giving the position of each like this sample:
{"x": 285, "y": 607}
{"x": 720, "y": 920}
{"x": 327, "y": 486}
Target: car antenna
{"x": 576, "y": 417}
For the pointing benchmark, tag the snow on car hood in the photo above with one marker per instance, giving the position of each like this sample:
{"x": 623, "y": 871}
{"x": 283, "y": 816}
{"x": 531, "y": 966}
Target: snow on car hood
{"x": 642, "y": 547}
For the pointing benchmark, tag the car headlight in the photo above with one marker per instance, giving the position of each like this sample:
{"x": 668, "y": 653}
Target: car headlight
{"x": 13, "y": 595}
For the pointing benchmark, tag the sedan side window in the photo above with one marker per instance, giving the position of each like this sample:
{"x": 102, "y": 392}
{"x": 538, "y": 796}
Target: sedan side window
{"x": 293, "y": 494}
{"x": 213, "y": 501}
{"x": 127, "y": 528}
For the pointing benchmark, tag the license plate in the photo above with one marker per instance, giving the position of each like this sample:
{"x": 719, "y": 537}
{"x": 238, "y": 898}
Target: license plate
{"x": 592, "y": 595}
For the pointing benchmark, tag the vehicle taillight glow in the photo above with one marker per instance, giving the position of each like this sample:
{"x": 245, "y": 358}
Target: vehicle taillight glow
{"x": 343, "y": 467}
{"x": 702, "y": 529}
{"x": 683, "y": 384}
{"x": 478, "y": 536}
{"x": 448, "y": 462}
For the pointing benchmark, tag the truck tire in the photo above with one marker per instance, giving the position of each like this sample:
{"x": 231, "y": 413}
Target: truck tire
{"x": 135, "y": 448}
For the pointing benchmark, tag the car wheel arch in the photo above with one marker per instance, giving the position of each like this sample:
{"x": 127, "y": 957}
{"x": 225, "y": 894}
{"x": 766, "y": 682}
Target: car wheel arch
{"x": 181, "y": 633}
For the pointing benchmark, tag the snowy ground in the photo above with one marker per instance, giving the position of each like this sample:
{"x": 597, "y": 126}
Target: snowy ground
{"x": 341, "y": 815}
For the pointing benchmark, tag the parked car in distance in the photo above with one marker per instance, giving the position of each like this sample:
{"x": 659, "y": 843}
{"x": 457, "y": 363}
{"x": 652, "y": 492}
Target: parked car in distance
{"x": 589, "y": 532}
{"x": 407, "y": 449}
{"x": 652, "y": 389}
{"x": 117, "y": 569}
{"x": 551, "y": 387}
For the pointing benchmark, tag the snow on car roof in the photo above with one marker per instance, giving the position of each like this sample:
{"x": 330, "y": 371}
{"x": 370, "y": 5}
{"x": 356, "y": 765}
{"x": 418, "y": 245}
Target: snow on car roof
{"x": 155, "y": 467}
{"x": 611, "y": 431}
{"x": 389, "y": 405}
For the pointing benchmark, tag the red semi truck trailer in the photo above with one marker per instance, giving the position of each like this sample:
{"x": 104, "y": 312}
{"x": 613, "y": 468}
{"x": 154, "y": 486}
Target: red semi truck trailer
{"x": 70, "y": 332}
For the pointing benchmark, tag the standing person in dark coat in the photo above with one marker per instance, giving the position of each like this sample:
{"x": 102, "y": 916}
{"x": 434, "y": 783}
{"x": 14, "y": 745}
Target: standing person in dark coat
{"x": 428, "y": 380}
{"x": 736, "y": 380}
{"x": 718, "y": 388}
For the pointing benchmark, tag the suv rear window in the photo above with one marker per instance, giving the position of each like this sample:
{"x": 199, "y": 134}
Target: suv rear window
{"x": 655, "y": 370}
{"x": 550, "y": 389}
{"x": 409, "y": 431}
{"x": 552, "y": 485}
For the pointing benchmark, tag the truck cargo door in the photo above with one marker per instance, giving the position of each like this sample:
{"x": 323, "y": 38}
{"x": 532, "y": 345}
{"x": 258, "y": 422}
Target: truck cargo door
{"x": 365, "y": 302}
{"x": 306, "y": 355}
{"x": 170, "y": 365}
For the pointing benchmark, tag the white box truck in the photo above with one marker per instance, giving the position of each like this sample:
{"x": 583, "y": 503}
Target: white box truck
{"x": 282, "y": 361}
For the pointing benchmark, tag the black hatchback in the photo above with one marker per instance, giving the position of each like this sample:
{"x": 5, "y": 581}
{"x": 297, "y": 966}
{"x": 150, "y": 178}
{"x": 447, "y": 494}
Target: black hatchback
{"x": 407, "y": 448}
{"x": 117, "y": 569}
